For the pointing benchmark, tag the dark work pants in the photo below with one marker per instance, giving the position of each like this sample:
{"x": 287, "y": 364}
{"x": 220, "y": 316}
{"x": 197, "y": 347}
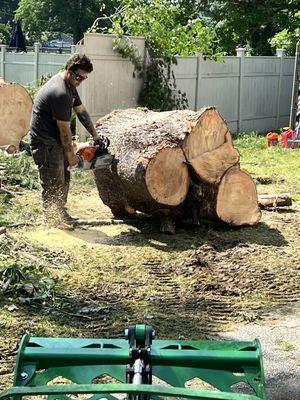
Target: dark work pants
{"x": 54, "y": 178}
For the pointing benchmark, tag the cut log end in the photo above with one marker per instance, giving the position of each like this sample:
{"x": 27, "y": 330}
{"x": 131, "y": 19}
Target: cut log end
{"x": 15, "y": 106}
{"x": 237, "y": 202}
{"x": 167, "y": 177}
{"x": 208, "y": 134}
{"x": 211, "y": 165}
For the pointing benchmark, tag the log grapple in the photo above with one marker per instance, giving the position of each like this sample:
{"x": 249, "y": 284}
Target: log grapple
{"x": 138, "y": 364}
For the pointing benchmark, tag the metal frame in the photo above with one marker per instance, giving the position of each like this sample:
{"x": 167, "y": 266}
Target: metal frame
{"x": 219, "y": 363}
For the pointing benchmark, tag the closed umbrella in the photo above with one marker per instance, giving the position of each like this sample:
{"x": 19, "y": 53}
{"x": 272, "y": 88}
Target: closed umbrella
{"x": 17, "y": 39}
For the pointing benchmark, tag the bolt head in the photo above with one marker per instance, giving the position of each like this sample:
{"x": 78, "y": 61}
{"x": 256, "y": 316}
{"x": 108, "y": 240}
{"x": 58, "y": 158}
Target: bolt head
{"x": 23, "y": 375}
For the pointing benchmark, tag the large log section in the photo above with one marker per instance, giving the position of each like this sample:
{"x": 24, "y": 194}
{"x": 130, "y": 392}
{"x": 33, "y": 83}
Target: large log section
{"x": 15, "y": 106}
{"x": 170, "y": 163}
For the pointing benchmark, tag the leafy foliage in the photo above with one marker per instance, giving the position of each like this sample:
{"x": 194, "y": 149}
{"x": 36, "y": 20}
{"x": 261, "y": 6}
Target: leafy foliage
{"x": 160, "y": 91}
{"x": 21, "y": 279}
{"x": 20, "y": 170}
{"x": 24, "y": 282}
{"x": 5, "y": 33}
{"x": 288, "y": 37}
{"x": 249, "y": 23}
{"x": 41, "y": 19}
{"x": 167, "y": 31}
{"x": 7, "y": 10}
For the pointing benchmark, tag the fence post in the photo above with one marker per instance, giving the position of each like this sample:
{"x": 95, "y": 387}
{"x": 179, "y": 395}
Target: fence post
{"x": 280, "y": 54}
{"x": 198, "y": 81}
{"x": 240, "y": 53}
{"x": 73, "y": 48}
{"x": 3, "y": 50}
{"x": 36, "y": 62}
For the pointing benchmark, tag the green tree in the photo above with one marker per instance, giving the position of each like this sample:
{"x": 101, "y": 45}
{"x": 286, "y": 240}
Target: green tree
{"x": 166, "y": 26}
{"x": 251, "y": 23}
{"x": 7, "y": 10}
{"x": 42, "y": 18}
{"x": 288, "y": 37}
{"x": 5, "y": 33}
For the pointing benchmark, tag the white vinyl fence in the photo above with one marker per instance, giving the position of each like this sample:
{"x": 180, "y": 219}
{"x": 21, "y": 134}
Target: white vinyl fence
{"x": 252, "y": 93}
{"x": 28, "y": 68}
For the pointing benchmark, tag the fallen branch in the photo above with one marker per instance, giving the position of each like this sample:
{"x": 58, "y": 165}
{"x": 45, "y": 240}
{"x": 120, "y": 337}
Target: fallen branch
{"x": 274, "y": 200}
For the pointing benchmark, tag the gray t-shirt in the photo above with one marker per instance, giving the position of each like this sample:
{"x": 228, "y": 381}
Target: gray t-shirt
{"x": 54, "y": 102}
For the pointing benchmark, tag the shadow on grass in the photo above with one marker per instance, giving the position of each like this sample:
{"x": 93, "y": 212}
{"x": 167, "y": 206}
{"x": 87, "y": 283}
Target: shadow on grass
{"x": 220, "y": 237}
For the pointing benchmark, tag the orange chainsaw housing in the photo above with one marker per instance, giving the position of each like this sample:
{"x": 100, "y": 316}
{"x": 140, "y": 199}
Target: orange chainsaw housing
{"x": 87, "y": 153}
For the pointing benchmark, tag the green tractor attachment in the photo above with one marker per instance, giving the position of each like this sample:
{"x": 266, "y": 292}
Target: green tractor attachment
{"x": 138, "y": 365}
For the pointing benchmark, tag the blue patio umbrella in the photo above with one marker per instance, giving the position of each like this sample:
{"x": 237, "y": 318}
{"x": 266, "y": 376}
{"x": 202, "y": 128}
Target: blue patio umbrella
{"x": 17, "y": 39}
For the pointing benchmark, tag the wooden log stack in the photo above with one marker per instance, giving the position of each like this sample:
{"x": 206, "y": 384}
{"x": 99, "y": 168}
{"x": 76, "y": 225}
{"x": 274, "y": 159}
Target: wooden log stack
{"x": 175, "y": 165}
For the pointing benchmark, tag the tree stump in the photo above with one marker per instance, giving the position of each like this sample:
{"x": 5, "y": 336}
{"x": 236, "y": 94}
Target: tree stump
{"x": 166, "y": 160}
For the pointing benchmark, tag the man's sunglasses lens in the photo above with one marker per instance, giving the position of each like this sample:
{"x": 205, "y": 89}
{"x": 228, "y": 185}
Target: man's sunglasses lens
{"x": 78, "y": 77}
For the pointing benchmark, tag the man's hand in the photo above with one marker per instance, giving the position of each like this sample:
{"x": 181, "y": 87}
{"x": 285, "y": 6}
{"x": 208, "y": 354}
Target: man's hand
{"x": 101, "y": 141}
{"x": 97, "y": 139}
{"x": 73, "y": 160}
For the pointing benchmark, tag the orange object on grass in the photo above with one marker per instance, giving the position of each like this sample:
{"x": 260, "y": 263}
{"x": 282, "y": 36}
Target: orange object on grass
{"x": 286, "y": 136}
{"x": 272, "y": 139}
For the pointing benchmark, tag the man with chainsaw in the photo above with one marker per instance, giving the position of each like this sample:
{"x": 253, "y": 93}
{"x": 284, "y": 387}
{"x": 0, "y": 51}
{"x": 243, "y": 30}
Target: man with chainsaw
{"x": 51, "y": 136}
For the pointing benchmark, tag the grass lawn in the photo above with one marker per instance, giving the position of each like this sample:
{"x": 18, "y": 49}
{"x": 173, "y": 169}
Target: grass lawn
{"x": 96, "y": 280}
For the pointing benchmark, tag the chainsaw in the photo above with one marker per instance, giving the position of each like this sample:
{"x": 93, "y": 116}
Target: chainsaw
{"x": 139, "y": 365}
{"x": 93, "y": 156}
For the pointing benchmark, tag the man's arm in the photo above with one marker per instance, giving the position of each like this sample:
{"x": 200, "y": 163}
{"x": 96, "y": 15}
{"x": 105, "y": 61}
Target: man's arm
{"x": 66, "y": 140}
{"x": 86, "y": 121}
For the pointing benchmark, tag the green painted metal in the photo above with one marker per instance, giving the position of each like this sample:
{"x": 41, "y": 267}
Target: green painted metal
{"x": 124, "y": 388}
{"x": 221, "y": 364}
{"x": 140, "y": 332}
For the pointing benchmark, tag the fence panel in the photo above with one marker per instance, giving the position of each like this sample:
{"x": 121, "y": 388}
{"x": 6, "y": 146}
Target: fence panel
{"x": 218, "y": 86}
{"x": 27, "y": 68}
{"x": 112, "y": 84}
{"x": 259, "y": 96}
{"x": 186, "y": 73}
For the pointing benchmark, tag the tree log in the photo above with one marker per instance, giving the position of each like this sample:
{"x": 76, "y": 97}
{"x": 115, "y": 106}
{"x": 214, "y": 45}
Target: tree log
{"x": 237, "y": 199}
{"x": 166, "y": 160}
{"x": 150, "y": 173}
{"x": 233, "y": 201}
{"x": 274, "y": 200}
{"x": 16, "y": 107}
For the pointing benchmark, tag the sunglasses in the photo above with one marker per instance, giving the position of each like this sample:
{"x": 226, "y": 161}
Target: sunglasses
{"x": 78, "y": 77}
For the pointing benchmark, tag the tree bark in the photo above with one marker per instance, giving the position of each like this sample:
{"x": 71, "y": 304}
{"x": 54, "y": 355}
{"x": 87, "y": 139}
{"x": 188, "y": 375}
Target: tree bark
{"x": 16, "y": 107}
{"x": 166, "y": 161}
{"x": 150, "y": 173}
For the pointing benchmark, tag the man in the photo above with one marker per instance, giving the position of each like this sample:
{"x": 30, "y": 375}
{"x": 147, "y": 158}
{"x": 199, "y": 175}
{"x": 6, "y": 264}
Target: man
{"x": 51, "y": 136}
